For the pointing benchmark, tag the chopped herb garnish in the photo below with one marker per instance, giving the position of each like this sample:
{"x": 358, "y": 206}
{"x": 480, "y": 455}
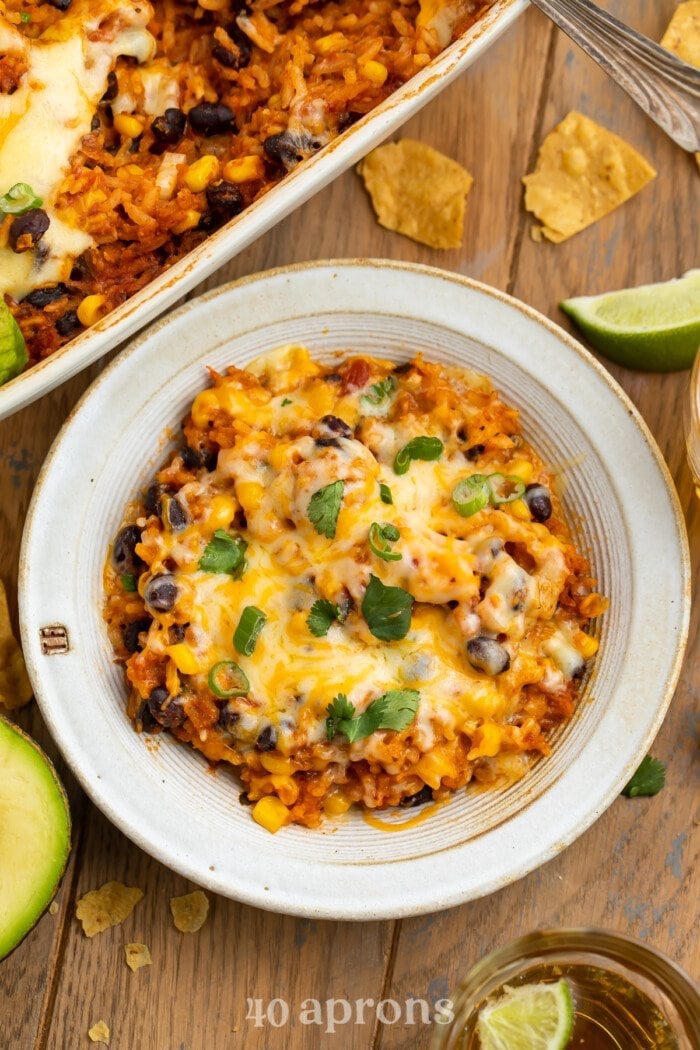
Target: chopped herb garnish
{"x": 225, "y": 553}
{"x": 24, "y": 16}
{"x": 387, "y": 610}
{"x": 426, "y": 448}
{"x": 471, "y": 494}
{"x": 249, "y": 627}
{"x": 287, "y": 401}
{"x": 321, "y": 615}
{"x": 18, "y": 199}
{"x": 227, "y": 679}
{"x": 385, "y": 493}
{"x": 394, "y": 710}
{"x": 381, "y": 536}
{"x": 380, "y": 391}
{"x": 505, "y": 488}
{"x": 129, "y": 582}
{"x": 324, "y": 507}
{"x": 648, "y": 780}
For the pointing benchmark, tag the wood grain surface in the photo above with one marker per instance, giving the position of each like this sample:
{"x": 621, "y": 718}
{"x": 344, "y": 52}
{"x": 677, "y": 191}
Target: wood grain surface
{"x": 633, "y": 870}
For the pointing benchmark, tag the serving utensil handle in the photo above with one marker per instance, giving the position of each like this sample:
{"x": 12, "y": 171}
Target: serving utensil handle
{"x": 665, "y": 87}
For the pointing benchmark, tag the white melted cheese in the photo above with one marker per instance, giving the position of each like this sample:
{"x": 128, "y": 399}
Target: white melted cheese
{"x": 44, "y": 120}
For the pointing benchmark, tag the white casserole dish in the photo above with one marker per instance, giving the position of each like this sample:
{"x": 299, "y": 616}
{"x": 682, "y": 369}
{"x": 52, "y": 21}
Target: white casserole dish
{"x": 231, "y": 239}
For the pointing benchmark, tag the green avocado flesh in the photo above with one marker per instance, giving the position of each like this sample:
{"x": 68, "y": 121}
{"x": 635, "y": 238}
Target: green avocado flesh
{"x": 34, "y": 834}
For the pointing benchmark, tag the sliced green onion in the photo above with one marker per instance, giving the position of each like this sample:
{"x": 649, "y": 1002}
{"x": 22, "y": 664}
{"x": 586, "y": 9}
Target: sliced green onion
{"x": 381, "y": 536}
{"x": 471, "y": 495}
{"x": 505, "y": 488}
{"x": 385, "y": 493}
{"x": 249, "y": 627}
{"x": 227, "y": 679}
{"x": 24, "y": 16}
{"x": 380, "y": 391}
{"x": 18, "y": 199}
{"x": 129, "y": 582}
{"x": 424, "y": 447}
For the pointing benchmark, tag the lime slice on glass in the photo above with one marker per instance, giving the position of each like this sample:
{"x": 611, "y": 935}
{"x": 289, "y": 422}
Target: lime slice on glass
{"x": 653, "y": 328}
{"x": 533, "y": 1017}
{"x": 13, "y": 352}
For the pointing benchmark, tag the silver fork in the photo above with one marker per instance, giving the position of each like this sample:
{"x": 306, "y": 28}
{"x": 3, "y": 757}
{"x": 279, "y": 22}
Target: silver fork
{"x": 666, "y": 88}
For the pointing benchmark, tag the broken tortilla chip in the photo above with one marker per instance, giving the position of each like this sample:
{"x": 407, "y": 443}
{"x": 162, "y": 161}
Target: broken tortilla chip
{"x": 583, "y": 172}
{"x": 190, "y": 911}
{"x": 682, "y": 37}
{"x": 137, "y": 955}
{"x": 15, "y": 688}
{"x": 108, "y": 906}
{"x": 417, "y": 191}
{"x": 99, "y": 1033}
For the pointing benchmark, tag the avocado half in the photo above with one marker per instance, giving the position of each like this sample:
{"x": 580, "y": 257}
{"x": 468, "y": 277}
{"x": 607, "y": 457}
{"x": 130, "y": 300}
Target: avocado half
{"x": 34, "y": 834}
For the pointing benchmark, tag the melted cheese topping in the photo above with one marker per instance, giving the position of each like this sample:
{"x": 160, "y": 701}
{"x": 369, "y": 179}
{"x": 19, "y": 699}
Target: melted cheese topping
{"x": 43, "y": 121}
{"x": 496, "y": 575}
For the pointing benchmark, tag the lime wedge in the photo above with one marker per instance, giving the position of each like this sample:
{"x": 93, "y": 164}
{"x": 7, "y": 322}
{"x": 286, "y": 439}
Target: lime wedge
{"x": 653, "y": 328}
{"x": 533, "y": 1017}
{"x": 13, "y": 352}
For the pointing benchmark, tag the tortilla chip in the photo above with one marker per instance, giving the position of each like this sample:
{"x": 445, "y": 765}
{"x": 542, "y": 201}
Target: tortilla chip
{"x": 190, "y": 911}
{"x": 99, "y": 1033}
{"x": 137, "y": 955}
{"x": 583, "y": 173}
{"x": 15, "y": 688}
{"x": 417, "y": 191}
{"x": 683, "y": 37}
{"x": 108, "y": 906}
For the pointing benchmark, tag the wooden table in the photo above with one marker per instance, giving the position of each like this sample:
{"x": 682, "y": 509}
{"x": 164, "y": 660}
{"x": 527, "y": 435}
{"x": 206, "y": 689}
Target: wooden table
{"x": 632, "y": 871}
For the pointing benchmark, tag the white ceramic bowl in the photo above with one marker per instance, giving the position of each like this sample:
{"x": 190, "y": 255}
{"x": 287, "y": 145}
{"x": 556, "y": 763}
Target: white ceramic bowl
{"x": 295, "y": 188}
{"x": 617, "y": 494}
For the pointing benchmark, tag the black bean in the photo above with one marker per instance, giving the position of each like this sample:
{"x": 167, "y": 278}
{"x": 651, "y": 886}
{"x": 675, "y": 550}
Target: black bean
{"x": 27, "y": 230}
{"x": 267, "y": 739}
{"x": 170, "y": 127}
{"x": 177, "y": 632}
{"x": 487, "y": 655}
{"x": 145, "y": 720}
{"x": 211, "y": 118}
{"x": 225, "y": 198}
{"x": 244, "y": 799}
{"x": 333, "y": 377}
{"x": 43, "y": 296}
{"x": 228, "y": 717}
{"x": 95, "y": 123}
{"x": 346, "y": 119}
{"x": 400, "y": 370}
{"x": 474, "y": 452}
{"x": 539, "y": 501}
{"x": 242, "y": 42}
{"x": 131, "y": 632}
{"x": 160, "y": 592}
{"x": 60, "y": 5}
{"x": 153, "y": 496}
{"x": 287, "y": 148}
{"x": 193, "y": 458}
{"x": 68, "y": 323}
{"x": 124, "y": 557}
{"x": 331, "y": 427}
{"x": 424, "y": 795}
{"x": 167, "y": 712}
{"x": 112, "y": 88}
{"x": 175, "y": 517}
{"x": 327, "y": 443}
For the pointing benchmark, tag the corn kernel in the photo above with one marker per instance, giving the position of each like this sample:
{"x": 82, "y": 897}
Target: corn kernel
{"x": 592, "y": 605}
{"x": 190, "y": 220}
{"x": 250, "y": 494}
{"x": 184, "y": 659}
{"x": 277, "y": 764}
{"x": 336, "y": 803}
{"x": 431, "y": 768}
{"x": 201, "y": 173}
{"x": 270, "y": 813}
{"x": 522, "y": 468}
{"x": 277, "y": 456}
{"x": 204, "y": 408}
{"x": 244, "y": 169}
{"x": 91, "y": 309}
{"x": 375, "y": 71}
{"x": 221, "y": 512}
{"x": 332, "y": 42}
{"x": 586, "y": 645}
{"x": 488, "y": 741}
{"x": 421, "y": 60}
{"x": 286, "y": 787}
{"x": 519, "y": 509}
{"x": 128, "y": 125}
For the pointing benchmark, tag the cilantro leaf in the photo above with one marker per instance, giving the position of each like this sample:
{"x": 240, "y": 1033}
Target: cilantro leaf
{"x": 393, "y": 710}
{"x": 287, "y": 401}
{"x": 648, "y": 779}
{"x": 339, "y": 710}
{"x": 387, "y": 610}
{"x": 427, "y": 448}
{"x": 129, "y": 582}
{"x": 324, "y": 508}
{"x": 225, "y": 553}
{"x": 321, "y": 615}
